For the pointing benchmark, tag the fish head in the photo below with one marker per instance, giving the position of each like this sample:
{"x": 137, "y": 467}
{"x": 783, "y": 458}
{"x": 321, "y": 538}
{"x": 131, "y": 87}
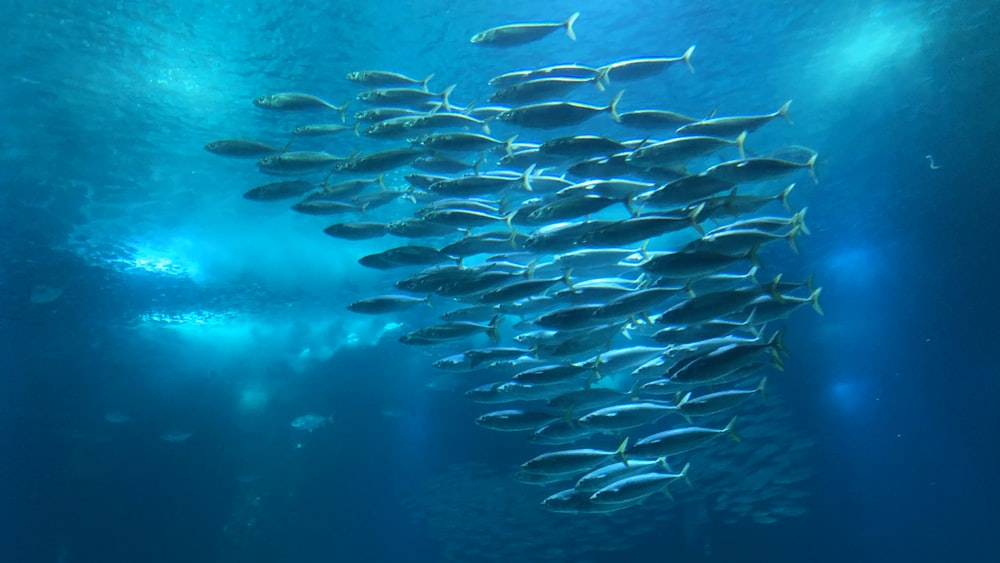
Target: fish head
{"x": 268, "y": 161}
{"x": 355, "y": 76}
{"x": 508, "y": 115}
{"x": 264, "y": 101}
{"x": 367, "y": 95}
{"x": 480, "y": 37}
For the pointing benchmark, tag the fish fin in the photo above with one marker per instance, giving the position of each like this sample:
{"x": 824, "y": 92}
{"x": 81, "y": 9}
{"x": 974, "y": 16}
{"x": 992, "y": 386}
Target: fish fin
{"x": 687, "y": 58}
{"x": 627, "y": 202}
{"x": 526, "y": 177}
{"x": 423, "y": 83}
{"x": 444, "y": 97}
{"x": 740, "y": 142}
{"x": 684, "y": 475}
{"x": 380, "y": 180}
{"x": 760, "y": 388}
{"x": 613, "y": 106}
{"x": 662, "y": 461}
{"x": 602, "y": 77}
{"x": 694, "y": 217}
{"x": 508, "y": 146}
{"x": 783, "y": 112}
{"x": 791, "y": 238}
{"x": 357, "y": 128}
{"x": 427, "y": 300}
{"x": 478, "y": 162}
{"x": 493, "y": 332}
{"x": 569, "y": 25}
{"x": 814, "y": 299}
{"x": 811, "y": 163}
{"x": 620, "y": 451}
{"x": 783, "y": 196}
{"x": 342, "y": 110}
{"x": 683, "y": 400}
{"x": 799, "y": 219}
{"x": 731, "y": 430}
{"x": 566, "y": 278}
{"x": 752, "y": 274}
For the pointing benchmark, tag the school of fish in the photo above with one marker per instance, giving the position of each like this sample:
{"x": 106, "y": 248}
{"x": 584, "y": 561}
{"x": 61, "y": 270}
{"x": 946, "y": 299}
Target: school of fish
{"x": 589, "y": 290}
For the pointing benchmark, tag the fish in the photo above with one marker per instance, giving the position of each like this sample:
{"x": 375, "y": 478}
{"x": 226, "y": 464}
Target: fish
{"x": 654, "y": 119}
{"x": 515, "y": 34}
{"x": 298, "y": 162}
{"x": 626, "y": 416}
{"x": 381, "y": 161}
{"x": 734, "y": 125}
{"x": 552, "y": 115}
{"x": 298, "y": 101}
{"x": 540, "y": 89}
{"x": 386, "y": 79}
{"x": 638, "y": 487}
{"x": 382, "y": 304}
{"x": 614, "y": 472}
{"x": 406, "y": 97}
{"x": 720, "y": 401}
{"x": 356, "y": 230}
{"x": 679, "y": 150}
{"x": 455, "y": 330}
{"x": 571, "y": 70}
{"x": 276, "y": 191}
{"x": 573, "y": 501}
{"x": 636, "y": 69}
{"x": 324, "y": 207}
{"x": 311, "y": 422}
{"x": 678, "y": 440}
{"x": 572, "y": 461}
{"x": 241, "y": 148}
{"x": 319, "y": 130}
{"x": 515, "y": 420}
{"x": 759, "y": 169}
{"x": 723, "y": 361}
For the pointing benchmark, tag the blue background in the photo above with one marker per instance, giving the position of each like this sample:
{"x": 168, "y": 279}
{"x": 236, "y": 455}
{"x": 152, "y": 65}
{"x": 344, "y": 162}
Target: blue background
{"x": 190, "y": 309}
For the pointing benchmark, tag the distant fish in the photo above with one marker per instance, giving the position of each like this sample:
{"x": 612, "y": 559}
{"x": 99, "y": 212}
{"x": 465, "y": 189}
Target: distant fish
{"x": 319, "y": 130}
{"x": 240, "y": 148}
{"x": 521, "y": 33}
{"x": 175, "y": 436}
{"x": 310, "y": 422}
{"x": 117, "y": 417}
{"x": 386, "y": 79}
{"x": 298, "y": 101}
{"x": 733, "y": 125}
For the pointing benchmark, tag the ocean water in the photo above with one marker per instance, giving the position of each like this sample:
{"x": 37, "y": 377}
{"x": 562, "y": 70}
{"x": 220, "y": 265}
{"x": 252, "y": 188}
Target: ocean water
{"x": 159, "y": 333}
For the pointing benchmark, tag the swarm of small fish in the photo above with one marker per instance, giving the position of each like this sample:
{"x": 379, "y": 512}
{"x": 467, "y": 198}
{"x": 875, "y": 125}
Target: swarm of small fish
{"x": 617, "y": 280}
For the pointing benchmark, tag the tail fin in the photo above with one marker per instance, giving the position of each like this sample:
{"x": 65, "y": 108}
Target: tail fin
{"x": 811, "y": 163}
{"x": 791, "y": 238}
{"x": 783, "y": 112}
{"x": 784, "y": 196}
{"x": 613, "y": 106}
{"x": 760, "y": 387}
{"x": 799, "y": 219}
{"x": 687, "y": 59}
{"x": 684, "y": 475}
{"x": 602, "y": 76}
{"x": 731, "y": 430}
{"x": 740, "y": 145}
{"x": 814, "y": 299}
{"x": 694, "y": 217}
{"x": 342, "y": 110}
{"x": 444, "y": 97}
{"x": 423, "y": 83}
{"x": 620, "y": 452}
{"x": 493, "y": 332}
{"x": 569, "y": 25}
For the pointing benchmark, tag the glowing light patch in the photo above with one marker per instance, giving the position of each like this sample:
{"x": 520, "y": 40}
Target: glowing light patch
{"x": 857, "y": 267}
{"x": 253, "y": 397}
{"x": 848, "y": 395}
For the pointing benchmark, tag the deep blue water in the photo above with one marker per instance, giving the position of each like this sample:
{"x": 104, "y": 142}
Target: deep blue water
{"x": 178, "y": 305}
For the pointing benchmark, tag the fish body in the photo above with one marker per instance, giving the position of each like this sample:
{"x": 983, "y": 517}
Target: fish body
{"x": 319, "y": 130}
{"x": 297, "y": 101}
{"x": 387, "y": 79}
{"x": 382, "y": 304}
{"x": 734, "y": 125}
{"x": 678, "y": 440}
{"x": 654, "y": 119}
{"x": 277, "y": 191}
{"x": 572, "y": 70}
{"x": 635, "y": 488}
{"x": 637, "y": 69}
{"x": 538, "y": 89}
{"x": 759, "y": 169}
{"x": 311, "y": 422}
{"x": 552, "y": 115}
{"x": 241, "y": 148}
{"x": 297, "y": 162}
{"x": 512, "y": 35}
{"x": 679, "y": 150}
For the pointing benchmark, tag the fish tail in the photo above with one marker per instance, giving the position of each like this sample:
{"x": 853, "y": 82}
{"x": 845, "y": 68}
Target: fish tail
{"x": 811, "y": 163}
{"x": 772, "y": 289}
{"x": 683, "y": 400}
{"x": 760, "y": 387}
{"x": 731, "y": 430}
{"x": 687, "y": 58}
{"x": 752, "y": 274}
{"x": 740, "y": 145}
{"x": 627, "y": 202}
{"x": 479, "y": 161}
{"x": 444, "y": 97}
{"x": 427, "y": 300}
{"x": 493, "y": 332}
{"x": 620, "y": 451}
{"x": 380, "y": 180}
{"x": 783, "y": 196}
{"x": 423, "y": 83}
{"x": 642, "y": 249}
{"x": 342, "y": 110}
{"x": 814, "y": 299}
{"x": 357, "y": 128}
{"x": 783, "y": 112}
{"x": 791, "y": 239}
{"x": 508, "y": 146}
{"x": 799, "y": 219}
{"x": 662, "y": 462}
{"x": 684, "y": 475}
{"x": 569, "y": 25}
{"x": 602, "y": 77}
{"x": 526, "y": 179}
{"x": 566, "y": 278}
{"x": 693, "y": 216}
{"x": 613, "y": 106}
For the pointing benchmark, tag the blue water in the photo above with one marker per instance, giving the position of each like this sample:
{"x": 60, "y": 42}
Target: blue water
{"x": 140, "y": 295}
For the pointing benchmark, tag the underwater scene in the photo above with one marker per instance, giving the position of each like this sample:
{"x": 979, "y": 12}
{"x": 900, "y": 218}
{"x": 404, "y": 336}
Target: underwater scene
{"x": 565, "y": 281}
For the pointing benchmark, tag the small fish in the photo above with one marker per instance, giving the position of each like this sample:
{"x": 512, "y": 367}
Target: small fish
{"x": 406, "y": 97}
{"x": 759, "y": 169}
{"x": 734, "y": 125}
{"x": 635, "y": 488}
{"x": 382, "y": 304}
{"x": 522, "y": 33}
{"x": 297, "y": 162}
{"x": 321, "y": 207}
{"x": 297, "y": 101}
{"x": 654, "y": 119}
{"x": 276, "y": 191}
{"x": 515, "y": 420}
{"x": 356, "y": 231}
{"x": 310, "y": 422}
{"x": 572, "y": 70}
{"x": 240, "y": 148}
{"x": 386, "y": 79}
{"x": 175, "y": 436}
{"x": 551, "y": 115}
{"x": 319, "y": 130}
{"x": 636, "y": 69}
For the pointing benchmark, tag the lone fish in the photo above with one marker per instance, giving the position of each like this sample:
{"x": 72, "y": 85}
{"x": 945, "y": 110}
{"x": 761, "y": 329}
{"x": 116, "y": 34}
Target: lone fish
{"x": 522, "y": 33}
